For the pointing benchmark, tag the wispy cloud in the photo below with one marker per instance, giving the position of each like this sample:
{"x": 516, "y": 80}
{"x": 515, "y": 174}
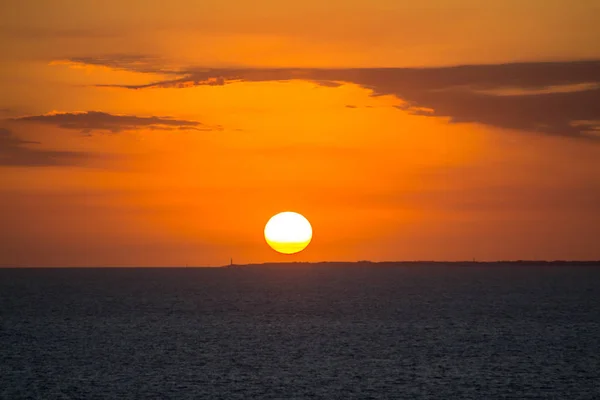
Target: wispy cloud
{"x": 22, "y": 153}
{"x": 140, "y": 63}
{"x": 97, "y": 121}
{"x": 543, "y": 97}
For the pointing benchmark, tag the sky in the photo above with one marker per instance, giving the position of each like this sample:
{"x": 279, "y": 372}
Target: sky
{"x": 168, "y": 133}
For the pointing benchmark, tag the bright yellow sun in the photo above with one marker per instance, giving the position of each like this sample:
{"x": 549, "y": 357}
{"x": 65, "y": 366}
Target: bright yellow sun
{"x": 288, "y": 232}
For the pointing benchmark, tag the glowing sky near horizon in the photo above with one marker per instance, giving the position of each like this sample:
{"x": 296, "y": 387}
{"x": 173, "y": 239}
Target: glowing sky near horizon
{"x": 167, "y": 133}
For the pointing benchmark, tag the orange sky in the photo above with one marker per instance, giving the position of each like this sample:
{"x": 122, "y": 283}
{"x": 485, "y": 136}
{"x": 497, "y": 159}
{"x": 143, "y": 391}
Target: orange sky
{"x": 136, "y": 133}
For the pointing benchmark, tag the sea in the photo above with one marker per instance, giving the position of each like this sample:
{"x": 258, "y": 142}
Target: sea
{"x": 302, "y": 331}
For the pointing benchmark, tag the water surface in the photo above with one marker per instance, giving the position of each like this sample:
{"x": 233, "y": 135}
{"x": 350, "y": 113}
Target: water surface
{"x": 302, "y": 332}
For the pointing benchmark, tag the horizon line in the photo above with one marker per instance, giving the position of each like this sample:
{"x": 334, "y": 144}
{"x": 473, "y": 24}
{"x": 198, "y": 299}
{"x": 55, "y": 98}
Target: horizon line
{"x": 307, "y": 263}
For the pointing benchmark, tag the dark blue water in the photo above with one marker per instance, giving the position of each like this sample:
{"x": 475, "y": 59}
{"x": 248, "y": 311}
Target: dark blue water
{"x": 301, "y": 332}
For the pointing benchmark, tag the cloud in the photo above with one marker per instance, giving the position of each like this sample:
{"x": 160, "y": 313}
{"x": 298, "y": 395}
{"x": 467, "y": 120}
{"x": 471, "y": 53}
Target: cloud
{"x": 91, "y": 121}
{"x": 17, "y": 152}
{"x": 140, "y": 63}
{"x": 544, "y": 97}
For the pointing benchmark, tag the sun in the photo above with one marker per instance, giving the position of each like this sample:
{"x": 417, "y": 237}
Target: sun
{"x": 288, "y": 232}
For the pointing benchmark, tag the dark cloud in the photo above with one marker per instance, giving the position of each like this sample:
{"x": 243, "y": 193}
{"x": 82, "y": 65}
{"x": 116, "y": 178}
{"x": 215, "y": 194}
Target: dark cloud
{"x": 18, "y": 152}
{"x": 91, "y": 121}
{"x": 220, "y": 77}
{"x": 558, "y": 98}
{"x": 129, "y": 62}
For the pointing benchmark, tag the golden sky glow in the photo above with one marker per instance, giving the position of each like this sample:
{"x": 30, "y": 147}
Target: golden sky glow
{"x": 149, "y": 133}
